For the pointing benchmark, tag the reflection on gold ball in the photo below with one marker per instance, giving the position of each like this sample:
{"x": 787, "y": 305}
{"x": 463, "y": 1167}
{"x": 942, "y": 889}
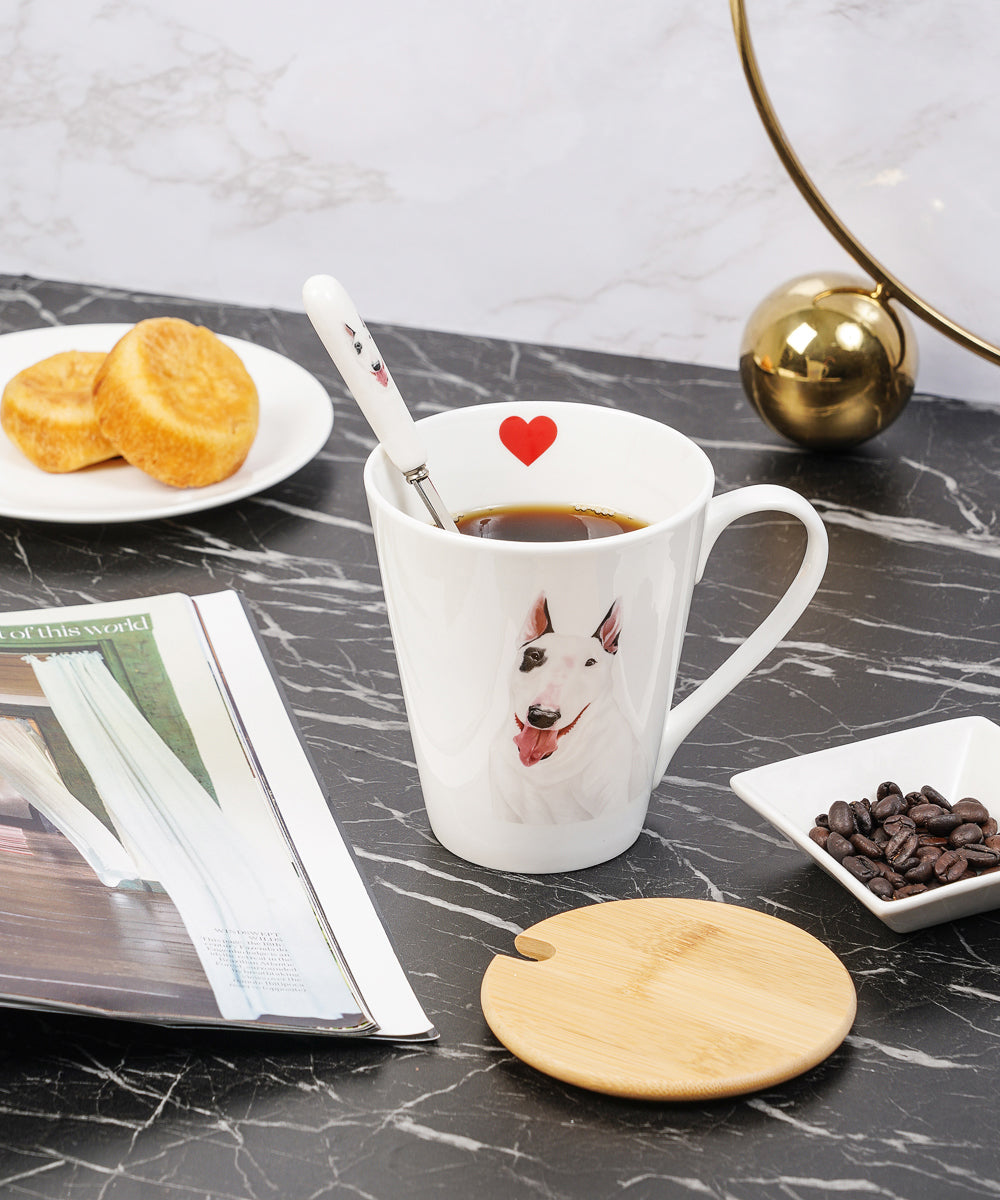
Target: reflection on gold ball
{"x": 827, "y": 361}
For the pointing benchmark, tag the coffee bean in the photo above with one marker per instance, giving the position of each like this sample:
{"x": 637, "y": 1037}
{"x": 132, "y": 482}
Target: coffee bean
{"x": 888, "y": 806}
{"x": 892, "y": 825}
{"x": 902, "y": 845}
{"x": 860, "y": 867}
{"x": 841, "y": 818}
{"x": 990, "y": 827}
{"x": 908, "y": 864}
{"x": 819, "y": 835}
{"x": 934, "y": 796}
{"x": 893, "y": 876}
{"x": 951, "y": 866}
{"x": 965, "y": 835}
{"x": 864, "y": 822}
{"x": 911, "y": 889}
{"x": 943, "y": 824}
{"x": 838, "y": 846}
{"x": 921, "y": 873}
{"x": 864, "y": 845}
{"x": 881, "y": 887}
{"x": 980, "y": 856}
{"x": 971, "y": 810}
{"x": 921, "y": 813}
{"x": 884, "y": 789}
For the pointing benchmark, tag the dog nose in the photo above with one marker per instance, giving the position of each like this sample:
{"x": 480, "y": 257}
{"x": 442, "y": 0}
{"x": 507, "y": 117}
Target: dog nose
{"x": 542, "y": 718}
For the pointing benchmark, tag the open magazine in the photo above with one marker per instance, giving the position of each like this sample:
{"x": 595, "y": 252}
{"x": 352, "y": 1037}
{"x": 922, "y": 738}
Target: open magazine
{"x": 167, "y": 852}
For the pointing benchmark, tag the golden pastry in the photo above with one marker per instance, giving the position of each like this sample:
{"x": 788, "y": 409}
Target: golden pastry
{"x": 47, "y": 411}
{"x": 177, "y": 402}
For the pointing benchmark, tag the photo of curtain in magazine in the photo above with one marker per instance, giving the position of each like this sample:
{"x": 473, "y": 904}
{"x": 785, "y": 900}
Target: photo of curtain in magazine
{"x": 142, "y": 868}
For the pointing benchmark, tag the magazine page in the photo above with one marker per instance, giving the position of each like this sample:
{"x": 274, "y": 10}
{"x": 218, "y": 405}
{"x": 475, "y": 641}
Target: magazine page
{"x": 144, "y": 874}
{"x": 325, "y": 861}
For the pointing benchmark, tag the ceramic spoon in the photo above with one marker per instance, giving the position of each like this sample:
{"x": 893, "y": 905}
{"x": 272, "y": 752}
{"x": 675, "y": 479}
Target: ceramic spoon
{"x": 352, "y": 348}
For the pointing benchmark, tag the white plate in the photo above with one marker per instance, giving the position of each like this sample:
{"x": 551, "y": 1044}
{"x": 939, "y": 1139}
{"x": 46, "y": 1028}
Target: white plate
{"x": 958, "y": 757}
{"x": 296, "y": 417}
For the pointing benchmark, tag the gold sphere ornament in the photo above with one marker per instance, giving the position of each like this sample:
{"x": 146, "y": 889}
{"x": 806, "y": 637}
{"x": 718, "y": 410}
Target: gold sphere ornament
{"x": 828, "y": 361}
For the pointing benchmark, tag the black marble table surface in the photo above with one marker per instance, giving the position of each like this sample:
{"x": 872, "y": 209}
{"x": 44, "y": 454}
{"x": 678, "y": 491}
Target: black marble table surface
{"x": 903, "y": 631}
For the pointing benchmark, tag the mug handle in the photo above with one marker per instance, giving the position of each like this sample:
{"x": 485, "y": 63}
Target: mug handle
{"x": 721, "y": 512}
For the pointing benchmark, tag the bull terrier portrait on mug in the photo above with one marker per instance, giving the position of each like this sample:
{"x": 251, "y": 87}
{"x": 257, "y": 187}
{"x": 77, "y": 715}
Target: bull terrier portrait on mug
{"x": 566, "y": 752}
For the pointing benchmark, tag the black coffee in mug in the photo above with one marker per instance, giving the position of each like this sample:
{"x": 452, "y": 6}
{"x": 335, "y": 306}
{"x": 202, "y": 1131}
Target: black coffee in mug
{"x": 545, "y": 523}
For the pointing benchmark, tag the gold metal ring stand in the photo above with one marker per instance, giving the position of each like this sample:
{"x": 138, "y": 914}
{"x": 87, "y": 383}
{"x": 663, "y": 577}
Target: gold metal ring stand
{"x": 826, "y": 360}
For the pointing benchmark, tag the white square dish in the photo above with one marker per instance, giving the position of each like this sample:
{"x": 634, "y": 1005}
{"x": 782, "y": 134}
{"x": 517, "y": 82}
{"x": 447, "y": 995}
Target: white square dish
{"x": 959, "y": 757}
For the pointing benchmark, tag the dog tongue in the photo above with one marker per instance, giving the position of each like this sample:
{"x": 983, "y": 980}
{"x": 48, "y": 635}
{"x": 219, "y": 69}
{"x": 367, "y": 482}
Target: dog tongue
{"x": 535, "y": 744}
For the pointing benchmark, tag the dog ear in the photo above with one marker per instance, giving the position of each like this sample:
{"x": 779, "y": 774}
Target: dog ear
{"x": 609, "y": 629}
{"x": 537, "y": 622}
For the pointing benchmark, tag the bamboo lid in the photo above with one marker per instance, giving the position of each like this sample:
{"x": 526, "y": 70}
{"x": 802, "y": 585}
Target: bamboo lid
{"x": 669, "y": 999}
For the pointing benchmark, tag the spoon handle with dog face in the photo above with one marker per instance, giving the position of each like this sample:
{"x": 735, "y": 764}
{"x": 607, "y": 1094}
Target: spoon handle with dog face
{"x": 352, "y": 348}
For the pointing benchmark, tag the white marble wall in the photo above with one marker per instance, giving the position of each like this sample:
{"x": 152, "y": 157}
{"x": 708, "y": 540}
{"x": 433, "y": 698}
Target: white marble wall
{"x": 565, "y": 171}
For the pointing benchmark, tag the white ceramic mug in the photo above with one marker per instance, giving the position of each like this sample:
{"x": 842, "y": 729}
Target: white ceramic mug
{"x": 587, "y": 633}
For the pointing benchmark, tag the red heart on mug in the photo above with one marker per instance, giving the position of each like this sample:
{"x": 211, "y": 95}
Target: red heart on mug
{"x": 528, "y": 440}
